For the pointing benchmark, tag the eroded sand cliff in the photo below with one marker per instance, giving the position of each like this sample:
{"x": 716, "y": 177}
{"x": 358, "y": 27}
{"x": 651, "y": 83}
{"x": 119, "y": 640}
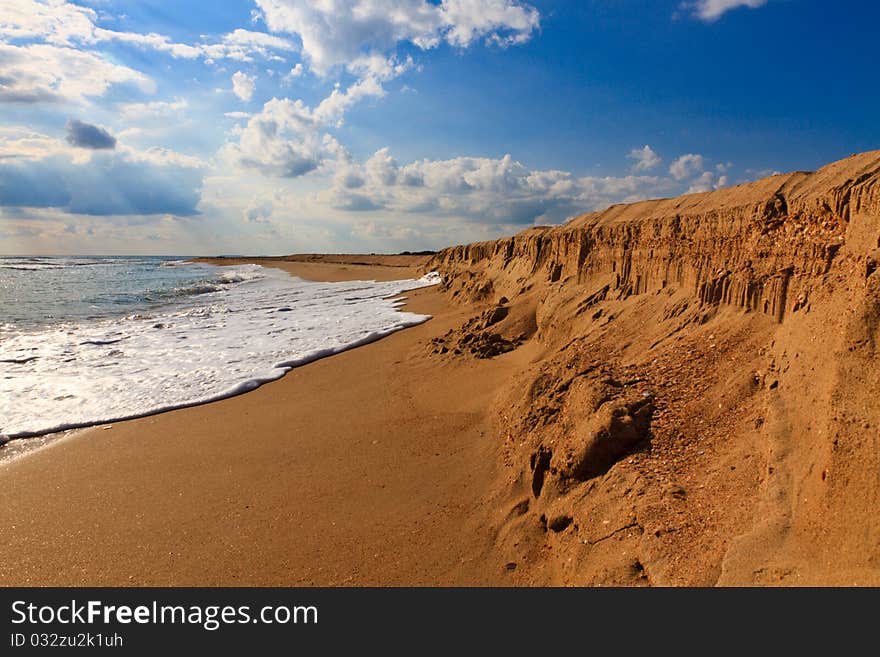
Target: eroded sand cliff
{"x": 699, "y": 403}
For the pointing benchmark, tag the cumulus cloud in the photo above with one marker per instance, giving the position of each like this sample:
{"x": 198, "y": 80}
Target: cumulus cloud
{"x": 284, "y": 139}
{"x": 48, "y": 73}
{"x": 86, "y": 135}
{"x": 482, "y": 190}
{"x": 243, "y": 85}
{"x": 41, "y": 172}
{"x": 707, "y": 181}
{"x": 645, "y": 157}
{"x": 290, "y": 139}
{"x": 259, "y": 210}
{"x": 373, "y": 71}
{"x": 66, "y": 24}
{"x": 686, "y": 166}
{"x": 59, "y": 22}
{"x": 337, "y": 33}
{"x": 712, "y": 10}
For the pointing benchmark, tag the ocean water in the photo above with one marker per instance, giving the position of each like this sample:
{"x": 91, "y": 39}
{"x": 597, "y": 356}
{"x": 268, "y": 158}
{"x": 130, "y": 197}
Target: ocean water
{"x": 87, "y": 341}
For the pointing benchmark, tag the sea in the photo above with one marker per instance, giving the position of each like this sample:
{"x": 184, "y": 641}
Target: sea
{"x": 93, "y": 340}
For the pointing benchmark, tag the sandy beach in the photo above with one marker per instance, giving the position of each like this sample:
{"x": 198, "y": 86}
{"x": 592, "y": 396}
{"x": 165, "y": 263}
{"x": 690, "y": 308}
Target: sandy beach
{"x": 367, "y": 467}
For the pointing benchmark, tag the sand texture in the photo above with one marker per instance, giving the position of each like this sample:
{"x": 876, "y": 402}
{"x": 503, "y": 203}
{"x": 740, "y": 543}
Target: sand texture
{"x": 675, "y": 392}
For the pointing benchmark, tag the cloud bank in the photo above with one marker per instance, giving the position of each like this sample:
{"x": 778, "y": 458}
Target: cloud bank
{"x": 38, "y": 171}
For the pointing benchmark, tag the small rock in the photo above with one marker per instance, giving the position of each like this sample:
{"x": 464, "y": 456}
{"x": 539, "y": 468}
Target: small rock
{"x": 494, "y": 316}
{"x": 510, "y": 565}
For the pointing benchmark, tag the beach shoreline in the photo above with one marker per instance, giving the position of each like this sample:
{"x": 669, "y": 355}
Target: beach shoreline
{"x": 322, "y": 477}
{"x": 311, "y": 267}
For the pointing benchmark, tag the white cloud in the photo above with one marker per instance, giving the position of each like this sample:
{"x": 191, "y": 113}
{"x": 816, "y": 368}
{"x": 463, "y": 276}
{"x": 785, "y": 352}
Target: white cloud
{"x": 153, "y": 111}
{"x": 502, "y": 22}
{"x": 259, "y": 210}
{"x": 338, "y": 33}
{"x": 686, "y": 166}
{"x": 65, "y": 24}
{"x": 21, "y": 142}
{"x": 243, "y": 85}
{"x": 756, "y": 174}
{"x": 249, "y": 39}
{"x": 240, "y": 45}
{"x": 289, "y": 139}
{"x": 284, "y": 140}
{"x": 59, "y": 23}
{"x": 707, "y": 182}
{"x": 49, "y": 73}
{"x": 477, "y": 189}
{"x": 712, "y": 10}
{"x": 646, "y": 159}
{"x": 163, "y": 157}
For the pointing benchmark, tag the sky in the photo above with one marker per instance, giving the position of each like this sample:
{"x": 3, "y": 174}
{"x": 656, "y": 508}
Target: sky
{"x": 283, "y": 126}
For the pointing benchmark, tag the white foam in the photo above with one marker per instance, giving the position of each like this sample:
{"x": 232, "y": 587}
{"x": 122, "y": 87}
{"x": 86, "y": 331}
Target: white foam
{"x": 258, "y": 325}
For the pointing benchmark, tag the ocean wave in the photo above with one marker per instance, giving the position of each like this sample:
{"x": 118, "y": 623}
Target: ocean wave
{"x": 78, "y": 374}
{"x": 198, "y": 288}
{"x": 218, "y": 283}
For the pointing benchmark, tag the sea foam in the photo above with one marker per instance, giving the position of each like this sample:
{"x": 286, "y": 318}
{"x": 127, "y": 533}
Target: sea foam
{"x": 251, "y": 326}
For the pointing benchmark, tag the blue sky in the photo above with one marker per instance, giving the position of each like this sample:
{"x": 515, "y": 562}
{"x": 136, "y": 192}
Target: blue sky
{"x": 278, "y": 126}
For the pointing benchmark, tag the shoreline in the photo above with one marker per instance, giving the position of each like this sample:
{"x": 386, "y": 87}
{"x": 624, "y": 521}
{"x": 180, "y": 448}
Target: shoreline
{"x": 315, "y": 478}
{"x": 311, "y": 267}
{"x": 334, "y": 268}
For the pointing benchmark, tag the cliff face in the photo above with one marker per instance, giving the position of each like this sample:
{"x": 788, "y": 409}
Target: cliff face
{"x": 699, "y": 400}
{"x": 761, "y": 246}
